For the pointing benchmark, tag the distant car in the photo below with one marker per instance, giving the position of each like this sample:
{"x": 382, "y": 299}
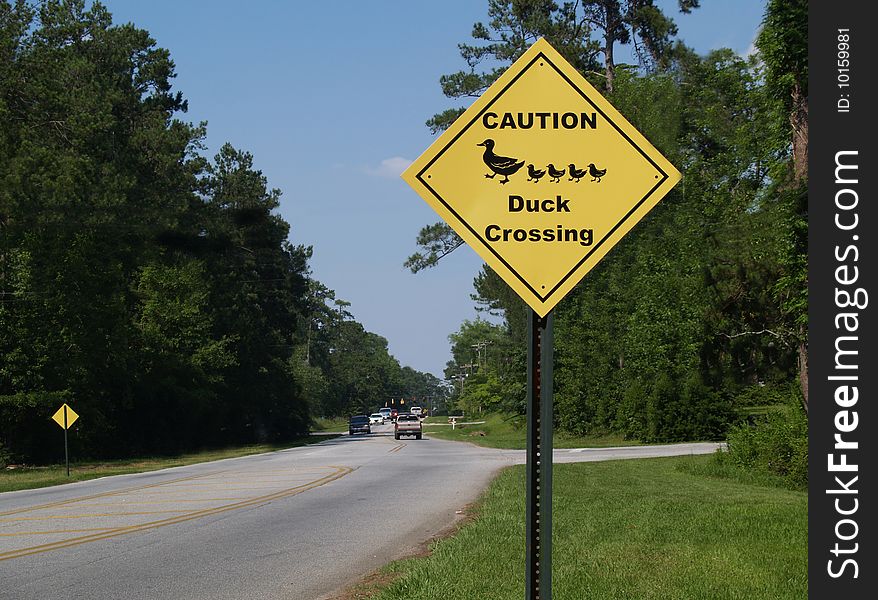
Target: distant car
{"x": 407, "y": 424}
{"x": 359, "y": 424}
{"x": 376, "y": 419}
{"x": 387, "y": 413}
{"x": 416, "y": 410}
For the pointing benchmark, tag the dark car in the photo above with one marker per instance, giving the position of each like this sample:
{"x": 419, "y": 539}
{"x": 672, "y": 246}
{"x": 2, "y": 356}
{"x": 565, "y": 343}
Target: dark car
{"x": 359, "y": 424}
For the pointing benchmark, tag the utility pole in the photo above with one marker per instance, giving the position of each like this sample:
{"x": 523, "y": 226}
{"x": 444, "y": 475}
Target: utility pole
{"x": 479, "y": 346}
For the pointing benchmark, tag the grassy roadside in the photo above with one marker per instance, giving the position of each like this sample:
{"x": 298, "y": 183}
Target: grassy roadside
{"x": 333, "y": 425}
{"x": 635, "y": 529}
{"x": 26, "y": 477}
{"x": 503, "y": 431}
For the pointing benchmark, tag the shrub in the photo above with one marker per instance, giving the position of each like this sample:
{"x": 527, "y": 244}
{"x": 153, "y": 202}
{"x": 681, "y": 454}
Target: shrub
{"x": 630, "y": 418}
{"x": 777, "y": 445}
{"x": 765, "y": 394}
{"x": 5, "y": 456}
{"x": 674, "y": 412}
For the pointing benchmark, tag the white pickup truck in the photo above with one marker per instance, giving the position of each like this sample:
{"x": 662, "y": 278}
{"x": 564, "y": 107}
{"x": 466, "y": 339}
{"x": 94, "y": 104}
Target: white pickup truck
{"x": 407, "y": 424}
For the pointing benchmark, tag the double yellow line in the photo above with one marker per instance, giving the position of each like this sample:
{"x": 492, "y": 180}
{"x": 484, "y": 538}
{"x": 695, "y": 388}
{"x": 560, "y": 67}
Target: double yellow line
{"x": 337, "y": 473}
{"x": 107, "y": 494}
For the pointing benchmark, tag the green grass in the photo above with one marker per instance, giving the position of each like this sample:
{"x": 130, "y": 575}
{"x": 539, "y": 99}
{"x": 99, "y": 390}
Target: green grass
{"x": 30, "y": 477}
{"x": 333, "y": 425}
{"x": 504, "y": 431}
{"x": 722, "y": 467}
{"x": 635, "y": 530}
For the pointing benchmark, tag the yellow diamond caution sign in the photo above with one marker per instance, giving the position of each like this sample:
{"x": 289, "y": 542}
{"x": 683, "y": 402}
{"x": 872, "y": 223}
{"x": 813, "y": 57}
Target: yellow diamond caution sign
{"x": 65, "y": 416}
{"x": 541, "y": 176}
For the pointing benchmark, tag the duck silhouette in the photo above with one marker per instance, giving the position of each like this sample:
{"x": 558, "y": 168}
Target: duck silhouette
{"x": 555, "y": 174}
{"x": 534, "y": 174}
{"x": 575, "y": 174}
{"x": 500, "y": 165}
{"x": 596, "y": 173}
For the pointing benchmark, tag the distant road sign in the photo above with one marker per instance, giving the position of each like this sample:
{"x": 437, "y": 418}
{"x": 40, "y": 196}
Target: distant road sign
{"x": 541, "y": 176}
{"x": 65, "y": 421}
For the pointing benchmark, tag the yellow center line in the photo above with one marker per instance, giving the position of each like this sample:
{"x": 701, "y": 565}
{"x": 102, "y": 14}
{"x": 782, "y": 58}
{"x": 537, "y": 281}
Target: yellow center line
{"x": 174, "y": 501}
{"x": 269, "y": 471}
{"x": 88, "y": 515}
{"x": 236, "y": 485}
{"x": 336, "y": 474}
{"x": 244, "y": 481}
{"x": 104, "y": 494}
{"x": 57, "y": 531}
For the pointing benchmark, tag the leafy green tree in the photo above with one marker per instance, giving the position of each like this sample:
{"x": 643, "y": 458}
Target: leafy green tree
{"x": 180, "y": 361}
{"x": 681, "y": 316}
{"x": 728, "y": 160}
{"x": 88, "y": 138}
{"x": 362, "y": 373}
{"x": 637, "y": 22}
{"x": 259, "y": 291}
{"x": 486, "y": 365}
{"x": 783, "y": 46}
{"x": 514, "y": 25}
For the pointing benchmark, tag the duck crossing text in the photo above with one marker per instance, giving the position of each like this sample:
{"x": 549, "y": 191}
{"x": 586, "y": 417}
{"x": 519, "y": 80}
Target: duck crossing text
{"x": 558, "y": 233}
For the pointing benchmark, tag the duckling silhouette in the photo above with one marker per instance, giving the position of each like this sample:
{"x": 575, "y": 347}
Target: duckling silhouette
{"x": 575, "y": 174}
{"x": 501, "y": 165}
{"x": 534, "y": 174}
{"x": 555, "y": 174}
{"x": 596, "y": 173}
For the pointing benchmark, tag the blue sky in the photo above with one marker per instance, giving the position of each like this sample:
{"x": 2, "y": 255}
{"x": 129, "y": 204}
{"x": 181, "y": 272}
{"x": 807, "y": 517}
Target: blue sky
{"x": 331, "y": 100}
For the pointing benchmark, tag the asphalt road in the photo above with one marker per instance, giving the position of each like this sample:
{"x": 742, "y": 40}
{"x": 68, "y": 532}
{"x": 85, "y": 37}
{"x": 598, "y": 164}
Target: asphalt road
{"x": 298, "y": 524}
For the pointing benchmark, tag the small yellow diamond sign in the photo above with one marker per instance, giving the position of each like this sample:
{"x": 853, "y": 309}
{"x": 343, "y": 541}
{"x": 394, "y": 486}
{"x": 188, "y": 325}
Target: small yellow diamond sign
{"x": 541, "y": 176}
{"x": 60, "y": 419}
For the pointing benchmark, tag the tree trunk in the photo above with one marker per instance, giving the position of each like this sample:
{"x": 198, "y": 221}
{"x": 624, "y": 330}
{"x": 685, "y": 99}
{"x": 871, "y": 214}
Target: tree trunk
{"x": 799, "y": 123}
{"x": 610, "y": 63}
{"x": 803, "y": 370}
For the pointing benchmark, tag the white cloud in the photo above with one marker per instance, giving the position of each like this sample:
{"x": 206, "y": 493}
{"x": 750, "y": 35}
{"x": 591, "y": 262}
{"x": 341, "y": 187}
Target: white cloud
{"x": 390, "y": 167}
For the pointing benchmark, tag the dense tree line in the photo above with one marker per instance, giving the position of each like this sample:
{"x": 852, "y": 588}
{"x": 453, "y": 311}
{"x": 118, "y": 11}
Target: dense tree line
{"x": 702, "y": 308}
{"x": 152, "y": 289}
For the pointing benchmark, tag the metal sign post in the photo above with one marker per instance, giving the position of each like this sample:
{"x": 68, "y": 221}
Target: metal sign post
{"x": 66, "y": 454}
{"x": 538, "y": 516}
